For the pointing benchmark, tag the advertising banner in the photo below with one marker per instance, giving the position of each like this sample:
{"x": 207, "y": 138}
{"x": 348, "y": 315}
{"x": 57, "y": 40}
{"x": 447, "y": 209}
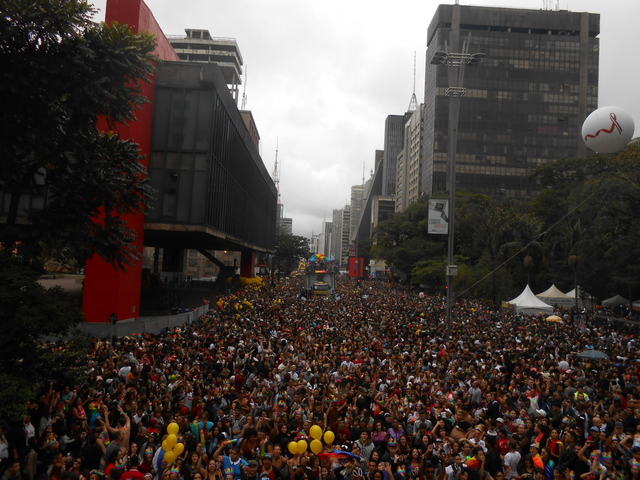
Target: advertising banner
{"x": 438, "y": 216}
{"x": 356, "y": 267}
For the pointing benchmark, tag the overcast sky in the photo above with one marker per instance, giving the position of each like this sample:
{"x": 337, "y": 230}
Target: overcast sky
{"x": 323, "y": 76}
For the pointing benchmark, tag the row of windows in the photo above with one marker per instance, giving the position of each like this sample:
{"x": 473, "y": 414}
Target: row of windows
{"x": 550, "y": 99}
{"x": 536, "y": 65}
{"x": 504, "y": 89}
{"x": 221, "y": 186}
{"x": 500, "y": 40}
{"x": 532, "y": 55}
{"x": 562, "y": 109}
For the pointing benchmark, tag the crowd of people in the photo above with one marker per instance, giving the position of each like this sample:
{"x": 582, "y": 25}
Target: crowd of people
{"x": 499, "y": 396}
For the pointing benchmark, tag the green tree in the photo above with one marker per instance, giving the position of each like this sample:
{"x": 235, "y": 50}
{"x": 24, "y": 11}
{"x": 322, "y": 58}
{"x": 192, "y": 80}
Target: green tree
{"x": 64, "y": 184}
{"x": 290, "y": 249}
{"x": 61, "y": 74}
{"x": 402, "y": 240}
{"x": 591, "y": 209}
{"x": 494, "y": 234}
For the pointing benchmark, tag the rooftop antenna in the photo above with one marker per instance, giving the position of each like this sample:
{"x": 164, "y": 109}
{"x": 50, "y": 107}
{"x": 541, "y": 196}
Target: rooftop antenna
{"x": 276, "y": 172}
{"x": 244, "y": 89}
{"x": 413, "y": 103}
{"x": 363, "y": 173}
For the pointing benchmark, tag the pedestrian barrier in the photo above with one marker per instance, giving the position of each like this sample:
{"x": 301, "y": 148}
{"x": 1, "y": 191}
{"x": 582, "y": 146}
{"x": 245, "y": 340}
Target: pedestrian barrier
{"x": 132, "y": 326}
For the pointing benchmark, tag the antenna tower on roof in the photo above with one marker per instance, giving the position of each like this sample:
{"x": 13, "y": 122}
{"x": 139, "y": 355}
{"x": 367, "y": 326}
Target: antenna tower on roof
{"x": 413, "y": 103}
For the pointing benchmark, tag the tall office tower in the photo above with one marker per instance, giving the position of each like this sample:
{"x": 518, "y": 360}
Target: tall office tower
{"x": 340, "y": 235}
{"x": 524, "y": 103}
{"x": 345, "y": 236}
{"x": 357, "y": 204}
{"x": 408, "y": 163}
{"x": 393, "y": 144}
{"x": 372, "y": 188}
{"x": 324, "y": 238}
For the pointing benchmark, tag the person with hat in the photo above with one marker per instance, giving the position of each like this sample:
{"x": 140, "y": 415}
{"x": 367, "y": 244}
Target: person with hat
{"x": 392, "y": 455}
{"x": 232, "y": 464}
{"x": 252, "y": 471}
{"x": 268, "y": 470}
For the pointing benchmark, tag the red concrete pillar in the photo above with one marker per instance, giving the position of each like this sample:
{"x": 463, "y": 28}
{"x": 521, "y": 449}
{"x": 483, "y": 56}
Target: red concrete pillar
{"x": 247, "y": 264}
{"x": 106, "y": 290}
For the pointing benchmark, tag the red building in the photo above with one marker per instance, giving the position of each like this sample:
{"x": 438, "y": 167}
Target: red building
{"x": 213, "y": 190}
{"x": 107, "y": 291}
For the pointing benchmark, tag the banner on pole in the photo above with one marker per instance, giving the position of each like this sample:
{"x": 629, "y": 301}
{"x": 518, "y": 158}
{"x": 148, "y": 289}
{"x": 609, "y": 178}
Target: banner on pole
{"x": 438, "y": 216}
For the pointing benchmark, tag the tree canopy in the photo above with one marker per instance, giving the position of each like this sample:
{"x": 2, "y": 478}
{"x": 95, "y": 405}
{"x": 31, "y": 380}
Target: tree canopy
{"x": 63, "y": 74}
{"x": 290, "y": 249}
{"x": 585, "y": 225}
{"x": 65, "y": 183}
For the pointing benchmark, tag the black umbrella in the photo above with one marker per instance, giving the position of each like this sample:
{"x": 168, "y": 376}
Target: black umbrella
{"x": 593, "y": 354}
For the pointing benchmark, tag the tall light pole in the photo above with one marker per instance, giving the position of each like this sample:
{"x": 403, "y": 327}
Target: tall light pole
{"x": 573, "y": 260}
{"x": 455, "y": 63}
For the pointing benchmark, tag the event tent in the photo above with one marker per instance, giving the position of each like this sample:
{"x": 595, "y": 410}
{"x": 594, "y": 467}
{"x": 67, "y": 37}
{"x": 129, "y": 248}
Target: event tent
{"x": 615, "y": 301}
{"x": 527, "y": 302}
{"x": 553, "y": 296}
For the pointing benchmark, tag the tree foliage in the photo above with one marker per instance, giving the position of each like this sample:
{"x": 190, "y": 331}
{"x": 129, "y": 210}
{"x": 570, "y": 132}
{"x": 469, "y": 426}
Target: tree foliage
{"x": 402, "y": 239}
{"x": 62, "y": 75}
{"x": 589, "y": 211}
{"x": 290, "y": 249}
{"x": 67, "y": 178}
{"x": 592, "y": 210}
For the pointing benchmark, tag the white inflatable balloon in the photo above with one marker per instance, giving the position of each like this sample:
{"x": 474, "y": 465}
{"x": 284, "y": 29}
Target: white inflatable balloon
{"x": 607, "y": 130}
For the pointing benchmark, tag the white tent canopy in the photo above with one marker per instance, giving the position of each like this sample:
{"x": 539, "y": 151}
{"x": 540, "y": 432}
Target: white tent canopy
{"x": 527, "y": 302}
{"x": 615, "y": 301}
{"x": 553, "y": 296}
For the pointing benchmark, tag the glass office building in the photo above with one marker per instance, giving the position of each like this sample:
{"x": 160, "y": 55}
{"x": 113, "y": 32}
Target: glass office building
{"x": 525, "y": 102}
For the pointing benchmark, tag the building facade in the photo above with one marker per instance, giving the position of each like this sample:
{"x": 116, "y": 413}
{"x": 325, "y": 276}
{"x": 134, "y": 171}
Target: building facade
{"x": 357, "y": 203}
{"x": 524, "y": 103}
{"x": 198, "y": 46}
{"x": 408, "y": 164}
{"x": 393, "y": 145}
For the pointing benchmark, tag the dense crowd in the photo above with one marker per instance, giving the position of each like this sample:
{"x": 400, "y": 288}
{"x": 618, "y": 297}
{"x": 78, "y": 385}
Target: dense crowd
{"x": 505, "y": 396}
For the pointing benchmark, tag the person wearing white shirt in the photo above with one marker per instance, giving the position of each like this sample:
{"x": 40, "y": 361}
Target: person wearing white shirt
{"x": 511, "y": 461}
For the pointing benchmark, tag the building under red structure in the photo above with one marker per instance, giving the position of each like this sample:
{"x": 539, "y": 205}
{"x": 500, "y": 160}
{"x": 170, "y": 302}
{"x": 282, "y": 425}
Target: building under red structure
{"x": 107, "y": 291}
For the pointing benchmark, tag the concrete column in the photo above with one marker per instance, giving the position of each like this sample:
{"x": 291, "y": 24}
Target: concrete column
{"x": 247, "y": 264}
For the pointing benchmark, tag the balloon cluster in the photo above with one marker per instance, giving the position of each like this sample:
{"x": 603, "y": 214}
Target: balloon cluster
{"x": 316, "y": 445}
{"x": 172, "y": 449}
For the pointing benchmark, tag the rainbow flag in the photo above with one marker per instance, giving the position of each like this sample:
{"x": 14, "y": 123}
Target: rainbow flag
{"x": 338, "y": 455}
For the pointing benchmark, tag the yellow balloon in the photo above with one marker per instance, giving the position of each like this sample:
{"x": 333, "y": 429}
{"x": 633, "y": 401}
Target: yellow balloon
{"x": 302, "y": 446}
{"x": 169, "y": 457}
{"x": 165, "y": 446}
{"x": 178, "y": 448}
{"x": 293, "y": 447}
{"x": 173, "y": 428}
{"x": 329, "y": 437}
{"x": 171, "y": 440}
{"x": 316, "y": 446}
{"x": 316, "y": 432}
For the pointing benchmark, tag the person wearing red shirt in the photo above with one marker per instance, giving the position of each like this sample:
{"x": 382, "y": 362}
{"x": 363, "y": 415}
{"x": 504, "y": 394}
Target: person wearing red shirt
{"x": 132, "y": 472}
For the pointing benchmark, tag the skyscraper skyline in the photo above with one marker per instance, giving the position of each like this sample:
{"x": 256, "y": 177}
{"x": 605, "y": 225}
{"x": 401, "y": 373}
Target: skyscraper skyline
{"x": 524, "y": 103}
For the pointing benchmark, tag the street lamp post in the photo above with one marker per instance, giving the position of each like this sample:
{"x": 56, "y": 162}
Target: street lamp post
{"x": 455, "y": 63}
{"x": 573, "y": 260}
